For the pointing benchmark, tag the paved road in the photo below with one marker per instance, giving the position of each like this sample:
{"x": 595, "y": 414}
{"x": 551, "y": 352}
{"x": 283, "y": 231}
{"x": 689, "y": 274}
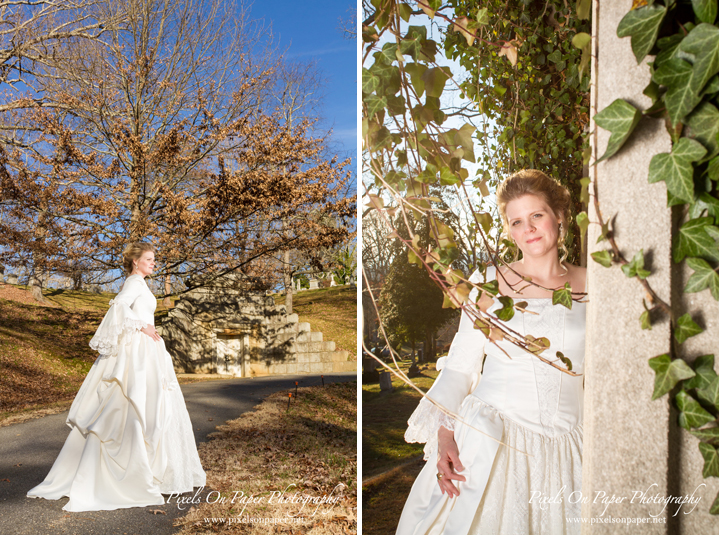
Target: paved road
{"x": 28, "y": 450}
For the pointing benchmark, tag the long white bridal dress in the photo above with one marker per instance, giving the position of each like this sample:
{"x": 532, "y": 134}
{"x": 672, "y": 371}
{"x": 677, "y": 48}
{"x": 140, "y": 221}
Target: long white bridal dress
{"x": 531, "y": 485}
{"x": 131, "y": 439}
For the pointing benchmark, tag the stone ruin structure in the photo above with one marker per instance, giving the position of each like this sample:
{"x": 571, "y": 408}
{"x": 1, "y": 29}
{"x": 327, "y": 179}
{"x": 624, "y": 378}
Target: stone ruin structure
{"x": 230, "y": 326}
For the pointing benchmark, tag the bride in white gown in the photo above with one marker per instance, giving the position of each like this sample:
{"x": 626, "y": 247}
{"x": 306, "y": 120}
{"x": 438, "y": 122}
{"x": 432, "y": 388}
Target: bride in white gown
{"x": 531, "y": 482}
{"x": 131, "y": 438}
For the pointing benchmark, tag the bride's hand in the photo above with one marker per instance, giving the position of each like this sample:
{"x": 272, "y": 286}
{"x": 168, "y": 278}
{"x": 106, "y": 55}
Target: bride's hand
{"x": 151, "y": 332}
{"x": 448, "y": 463}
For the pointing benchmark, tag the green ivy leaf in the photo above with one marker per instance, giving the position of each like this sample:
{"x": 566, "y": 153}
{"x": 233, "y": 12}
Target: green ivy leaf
{"x": 620, "y": 118}
{"x": 713, "y": 169}
{"x": 428, "y": 174}
{"x": 710, "y": 434}
{"x": 581, "y": 39}
{"x": 565, "y": 360}
{"x": 668, "y": 47}
{"x": 680, "y": 99}
{"x": 635, "y": 268}
{"x": 370, "y": 81}
{"x": 563, "y": 297}
{"x": 703, "y": 43}
{"x": 705, "y": 10}
{"x": 505, "y": 313}
{"x": 676, "y": 169}
{"x": 416, "y": 72}
{"x": 603, "y": 257}
{"x": 645, "y": 320}
{"x": 693, "y": 240}
{"x": 711, "y": 460}
{"x": 434, "y": 80}
{"x": 715, "y": 506}
{"x": 483, "y": 16}
{"x": 584, "y": 194}
{"x": 668, "y": 373}
{"x": 413, "y": 41}
{"x": 708, "y": 203}
{"x": 705, "y": 374}
{"x": 405, "y": 11}
{"x": 703, "y": 126}
{"x": 692, "y": 413}
{"x": 710, "y": 392}
{"x": 686, "y": 328}
{"x": 537, "y": 344}
{"x": 491, "y": 287}
{"x": 584, "y": 9}
{"x": 703, "y": 276}
{"x": 643, "y": 26}
{"x": 374, "y": 104}
{"x": 447, "y": 177}
{"x": 583, "y": 224}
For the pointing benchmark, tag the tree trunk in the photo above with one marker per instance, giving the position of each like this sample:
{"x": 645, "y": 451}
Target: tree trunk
{"x": 35, "y": 287}
{"x": 167, "y": 302}
{"x": 414, "y": 357}
{"x": 287, "y": 275}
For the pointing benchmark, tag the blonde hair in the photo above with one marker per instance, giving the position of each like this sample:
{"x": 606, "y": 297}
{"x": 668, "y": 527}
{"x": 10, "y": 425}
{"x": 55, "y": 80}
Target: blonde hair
{"x": 133, "y": 252}
{"x": 533, "y": 182}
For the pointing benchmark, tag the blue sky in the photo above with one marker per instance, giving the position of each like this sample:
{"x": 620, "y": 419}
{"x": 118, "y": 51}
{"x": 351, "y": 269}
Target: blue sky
{"x": 310, "y": 30}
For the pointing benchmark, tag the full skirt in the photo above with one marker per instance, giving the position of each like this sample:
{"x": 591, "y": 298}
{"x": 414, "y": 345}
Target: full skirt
{"x": 530, "y": 484}
{"x": 131, "y": 437}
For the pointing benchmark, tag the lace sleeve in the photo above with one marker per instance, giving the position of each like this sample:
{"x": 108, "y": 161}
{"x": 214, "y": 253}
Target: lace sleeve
{"x": 459, "y": 375}
{"x": 120, "y": 319}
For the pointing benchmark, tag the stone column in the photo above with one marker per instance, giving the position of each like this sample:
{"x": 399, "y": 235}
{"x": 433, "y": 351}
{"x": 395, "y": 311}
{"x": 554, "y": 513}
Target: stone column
{"x": 633, "y": 444}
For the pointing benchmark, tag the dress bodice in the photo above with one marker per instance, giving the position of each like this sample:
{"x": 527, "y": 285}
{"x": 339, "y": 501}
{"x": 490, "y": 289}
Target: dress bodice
{"x": 145, "y": 303}
{"x": 524, "y": 388}
{"x": 131, "y": 310}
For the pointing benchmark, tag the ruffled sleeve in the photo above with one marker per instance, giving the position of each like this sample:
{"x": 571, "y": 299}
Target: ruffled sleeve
{"x": 120, "y": 319}
{"x": 459, "y": 375}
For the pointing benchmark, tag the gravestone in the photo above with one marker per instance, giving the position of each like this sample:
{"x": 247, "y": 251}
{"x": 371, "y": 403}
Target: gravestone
{"x": 12, "y": 278}
{"x": 314, "y": 284}
{"x": 385, "y": 382}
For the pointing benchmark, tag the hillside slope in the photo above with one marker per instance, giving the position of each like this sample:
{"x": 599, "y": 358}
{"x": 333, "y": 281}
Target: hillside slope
{"x": 44, "y": 351}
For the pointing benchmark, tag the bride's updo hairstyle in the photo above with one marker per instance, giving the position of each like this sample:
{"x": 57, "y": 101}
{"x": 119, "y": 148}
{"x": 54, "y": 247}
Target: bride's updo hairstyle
{"x": 533, "y": 182}
{"x": 133, "y": 252}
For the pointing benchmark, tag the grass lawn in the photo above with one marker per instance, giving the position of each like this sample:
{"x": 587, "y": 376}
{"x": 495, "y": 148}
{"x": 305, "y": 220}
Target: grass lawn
{"x": 309, "y": 449}
{"x": 331, "y": 311}
{"x": 384, "y": 451}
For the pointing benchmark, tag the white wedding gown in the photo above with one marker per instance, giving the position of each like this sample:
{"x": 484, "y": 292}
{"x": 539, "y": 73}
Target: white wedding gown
{"x": 131, "y": 439}
{"x": 533, "y": 484}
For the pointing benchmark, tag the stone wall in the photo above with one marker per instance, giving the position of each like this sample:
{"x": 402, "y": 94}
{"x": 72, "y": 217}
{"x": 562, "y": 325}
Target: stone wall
{"x": 633, "y": 444}
{"x": 229, "y": 326}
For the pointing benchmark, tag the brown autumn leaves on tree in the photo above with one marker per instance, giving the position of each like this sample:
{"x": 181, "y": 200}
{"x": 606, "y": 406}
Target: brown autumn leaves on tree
{"x": 162, "y": 130}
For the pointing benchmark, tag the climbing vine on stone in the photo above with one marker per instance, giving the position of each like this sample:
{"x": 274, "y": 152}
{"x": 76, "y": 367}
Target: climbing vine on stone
{"x": 684, "y": 90}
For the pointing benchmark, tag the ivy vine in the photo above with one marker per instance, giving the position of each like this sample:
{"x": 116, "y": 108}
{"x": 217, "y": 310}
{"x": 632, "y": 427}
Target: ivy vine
{"x": 683, "y": 37}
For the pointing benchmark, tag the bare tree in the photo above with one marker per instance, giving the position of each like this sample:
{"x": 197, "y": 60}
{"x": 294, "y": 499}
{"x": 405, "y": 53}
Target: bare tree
{"x": 297, "y": 93}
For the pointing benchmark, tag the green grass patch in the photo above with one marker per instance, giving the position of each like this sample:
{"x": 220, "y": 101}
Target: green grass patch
{"x": 383, "y": 499}
{"x": 384, "y": 421}
{"x": 389, "y": 464}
